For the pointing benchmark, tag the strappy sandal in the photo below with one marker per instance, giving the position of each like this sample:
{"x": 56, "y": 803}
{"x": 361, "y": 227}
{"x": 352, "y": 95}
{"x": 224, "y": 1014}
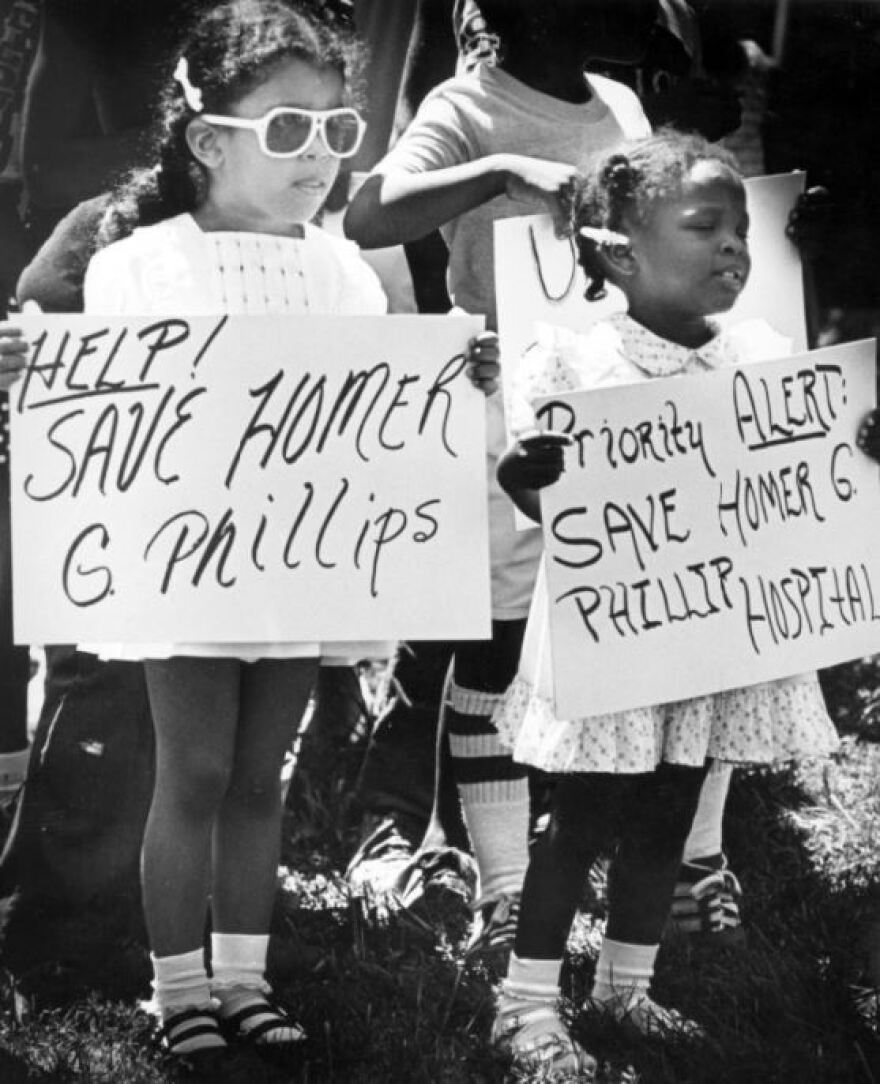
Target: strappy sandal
{"x": 536, "y": 1038}
{"x": 275, "y": 1018}
{"x": 187, "y": 1024}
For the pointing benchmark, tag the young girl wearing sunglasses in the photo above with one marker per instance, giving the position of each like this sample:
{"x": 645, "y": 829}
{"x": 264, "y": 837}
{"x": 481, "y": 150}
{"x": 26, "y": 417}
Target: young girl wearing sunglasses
{"x": 254, "y": 123}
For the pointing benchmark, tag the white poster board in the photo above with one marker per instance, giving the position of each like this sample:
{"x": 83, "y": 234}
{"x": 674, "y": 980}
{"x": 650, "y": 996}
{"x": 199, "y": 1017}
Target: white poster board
{"x": 248, "y": 478}
{"x": 712, "y": 531}
{"x": 537, "y": 277}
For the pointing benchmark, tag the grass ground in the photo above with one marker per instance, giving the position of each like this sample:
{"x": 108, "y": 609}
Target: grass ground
{"x": 391, "y": 998}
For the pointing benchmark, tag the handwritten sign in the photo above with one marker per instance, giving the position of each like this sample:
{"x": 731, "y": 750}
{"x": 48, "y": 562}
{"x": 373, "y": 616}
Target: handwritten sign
{"x": 248, "y": 479}
{"x": 712, "y": 531}
{"x": 538, "y": 278}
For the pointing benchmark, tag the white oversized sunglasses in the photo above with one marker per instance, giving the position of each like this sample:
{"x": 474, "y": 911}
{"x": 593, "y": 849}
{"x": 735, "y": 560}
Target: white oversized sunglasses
{"x": 285, "y": 132}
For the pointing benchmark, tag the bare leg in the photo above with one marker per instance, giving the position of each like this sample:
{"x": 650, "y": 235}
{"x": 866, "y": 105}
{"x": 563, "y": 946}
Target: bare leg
{"x": 643, "y": 872}
{"x": 247, "y": 839}
{"x": 195, "y": 708}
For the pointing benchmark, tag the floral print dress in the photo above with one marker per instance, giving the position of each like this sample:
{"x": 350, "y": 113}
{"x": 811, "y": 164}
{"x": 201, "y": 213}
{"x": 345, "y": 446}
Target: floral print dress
{"x": 772, "y": 721}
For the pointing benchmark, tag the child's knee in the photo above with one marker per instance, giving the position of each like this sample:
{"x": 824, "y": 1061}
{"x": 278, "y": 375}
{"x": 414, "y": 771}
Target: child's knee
{"x": 257, "y": 792}
{"x": 197, "y": 786}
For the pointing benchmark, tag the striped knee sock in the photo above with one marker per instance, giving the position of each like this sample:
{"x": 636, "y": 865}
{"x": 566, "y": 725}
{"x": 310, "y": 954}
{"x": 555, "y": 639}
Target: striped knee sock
{"x": 704, "y": 840}
{"x": 493, "y": 789}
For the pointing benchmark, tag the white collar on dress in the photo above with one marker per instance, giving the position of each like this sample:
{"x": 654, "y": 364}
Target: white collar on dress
{"x": 656, "y": 356}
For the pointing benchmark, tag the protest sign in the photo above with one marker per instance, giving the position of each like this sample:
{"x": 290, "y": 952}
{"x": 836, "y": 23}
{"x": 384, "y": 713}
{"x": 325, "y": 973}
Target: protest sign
{"x": 248, "y": 479}
{"x": 537, "y": 277}
{"x": 712, "y": 531}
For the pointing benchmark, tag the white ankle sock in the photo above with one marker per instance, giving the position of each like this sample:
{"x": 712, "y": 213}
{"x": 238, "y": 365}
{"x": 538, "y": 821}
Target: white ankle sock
{"x": 238, "y": 965}
{"x": 531, "y": 980}
{"x": 705, "y": 835}
{"x": 623, "y": 971}
{"x": 181, "y": 982}
{"x": 238, "y": 959}
{"x": 13, "y": 770}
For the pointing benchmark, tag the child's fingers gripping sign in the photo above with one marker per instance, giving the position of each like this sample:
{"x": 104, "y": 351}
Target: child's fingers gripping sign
{"x": 483, "y": 367}
{"x": 536, "y": 460}
{"x": 868, "y": 436}
{"x": 13, "y": 354}
{"x": 14, "y": 348}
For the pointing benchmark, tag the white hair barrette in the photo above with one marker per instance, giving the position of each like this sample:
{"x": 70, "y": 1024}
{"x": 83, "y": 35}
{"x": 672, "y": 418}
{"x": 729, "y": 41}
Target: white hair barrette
{"x": 191, "y": 93}
{"x": 602, "y": 237}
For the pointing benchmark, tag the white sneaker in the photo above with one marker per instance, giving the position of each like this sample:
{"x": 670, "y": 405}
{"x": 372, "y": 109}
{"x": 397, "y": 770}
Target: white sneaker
{"x": 536, "y": 1038}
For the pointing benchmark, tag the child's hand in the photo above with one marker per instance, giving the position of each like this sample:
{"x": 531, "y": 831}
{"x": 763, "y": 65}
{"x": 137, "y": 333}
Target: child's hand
{"x": 868, "y": 436}
{"x": 482, "y": 362}
{"x": 536, "y": 460}
{"x": 812, "y": 222}
{"x": 13, "y": 354}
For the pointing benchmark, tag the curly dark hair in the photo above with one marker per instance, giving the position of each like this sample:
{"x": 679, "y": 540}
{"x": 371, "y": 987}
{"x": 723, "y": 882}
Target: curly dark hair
{"x": 230, "y": 50}
{"x": 624, "y": 181}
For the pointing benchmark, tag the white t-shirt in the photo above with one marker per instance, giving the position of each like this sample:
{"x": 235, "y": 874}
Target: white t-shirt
{"x": 489, "y": 112}
{"x": 471, "y": 116}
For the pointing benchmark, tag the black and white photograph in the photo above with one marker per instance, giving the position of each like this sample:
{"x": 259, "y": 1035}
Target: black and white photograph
{"x": 439, "y": 555}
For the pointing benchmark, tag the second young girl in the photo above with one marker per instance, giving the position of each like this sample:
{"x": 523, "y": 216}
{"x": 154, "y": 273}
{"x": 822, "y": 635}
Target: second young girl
{"x": 663, "y": 218}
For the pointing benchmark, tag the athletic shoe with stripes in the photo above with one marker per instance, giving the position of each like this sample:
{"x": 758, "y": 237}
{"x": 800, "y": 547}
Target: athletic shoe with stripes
{"x": 494, "y": 925}
{"x": 706, "y": 902}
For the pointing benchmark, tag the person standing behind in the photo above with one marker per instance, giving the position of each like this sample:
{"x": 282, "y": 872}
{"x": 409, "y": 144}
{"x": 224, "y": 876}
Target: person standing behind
{"x": 671, "y": 83}
{"x": 95, "y": 79}
{"x": 496, "y": 142}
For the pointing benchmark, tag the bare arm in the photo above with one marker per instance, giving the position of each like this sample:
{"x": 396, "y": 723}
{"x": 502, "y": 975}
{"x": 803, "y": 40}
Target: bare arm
{"x": 397, "y": 206}
{"x": 528, "y": 501}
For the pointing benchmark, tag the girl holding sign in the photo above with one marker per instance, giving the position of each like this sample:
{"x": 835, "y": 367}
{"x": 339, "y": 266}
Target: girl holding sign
{"x": 664, "y": 219}
{"x": 254, "y": 124}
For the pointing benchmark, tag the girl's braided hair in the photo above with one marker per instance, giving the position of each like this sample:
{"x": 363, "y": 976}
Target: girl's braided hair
{"x": 625, "y": 181}
{"x": 229, "y": 51}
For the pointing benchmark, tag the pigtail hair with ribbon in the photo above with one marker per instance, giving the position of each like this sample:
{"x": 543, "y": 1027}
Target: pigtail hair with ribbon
{"x": 191, "y": 94}
{"x": 603, "y": 198}
{"x": 230, "y": 48}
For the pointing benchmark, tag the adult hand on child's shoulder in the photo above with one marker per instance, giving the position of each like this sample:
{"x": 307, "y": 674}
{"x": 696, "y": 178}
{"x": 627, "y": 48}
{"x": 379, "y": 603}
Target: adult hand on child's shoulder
{"x": 481, "y": 356}
{"x": 868, "y": 436}
{"x": 533, "y": 461}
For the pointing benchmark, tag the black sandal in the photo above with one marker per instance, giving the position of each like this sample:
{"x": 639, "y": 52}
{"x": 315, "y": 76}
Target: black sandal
{"x": 277, "y": 1018}
{"x": 187, "y": 1024}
